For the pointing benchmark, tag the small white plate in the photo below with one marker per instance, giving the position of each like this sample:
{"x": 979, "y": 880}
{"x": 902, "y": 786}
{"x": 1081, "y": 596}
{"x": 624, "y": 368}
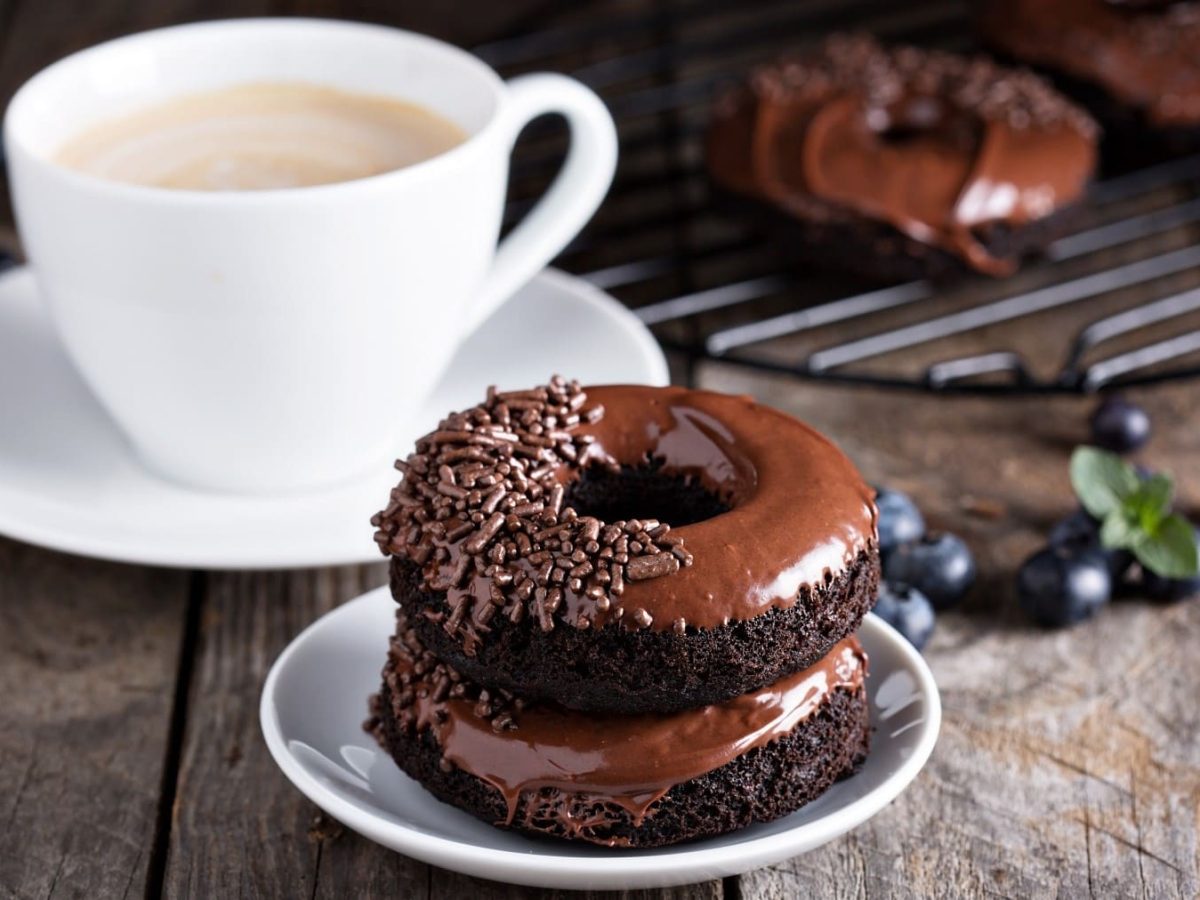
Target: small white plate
{"x": 70, "y": 481}
{"x": 315, "y": 700}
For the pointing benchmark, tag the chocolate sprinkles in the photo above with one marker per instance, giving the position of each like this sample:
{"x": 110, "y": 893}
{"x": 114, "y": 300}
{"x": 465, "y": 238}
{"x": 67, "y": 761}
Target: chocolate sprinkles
{"x": 483, "y": 509}
{"x": 414, "y": 673}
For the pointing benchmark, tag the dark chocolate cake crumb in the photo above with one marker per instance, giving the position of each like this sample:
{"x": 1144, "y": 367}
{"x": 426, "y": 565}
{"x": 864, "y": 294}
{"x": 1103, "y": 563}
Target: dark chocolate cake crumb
{"x": 617, "y": 670}
{"x": 763, "y": 784}
{"x": 483, "y": 497}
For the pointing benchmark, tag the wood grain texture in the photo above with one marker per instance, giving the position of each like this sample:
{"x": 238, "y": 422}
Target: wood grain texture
{"x": 88, "y": 659}
{"x": 239, "y": 828}
{"x": 1068, "y": 763}
{"x": 450, "y": 886}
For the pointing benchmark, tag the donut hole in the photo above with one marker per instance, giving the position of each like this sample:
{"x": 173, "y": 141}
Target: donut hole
{"x": 923, "y": 119}
{"x": 648, "y": 491}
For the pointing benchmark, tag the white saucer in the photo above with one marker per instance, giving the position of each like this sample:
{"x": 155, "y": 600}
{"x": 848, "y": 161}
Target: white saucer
{"x": 69, "y": 480}
{"x": 313, "y": 707}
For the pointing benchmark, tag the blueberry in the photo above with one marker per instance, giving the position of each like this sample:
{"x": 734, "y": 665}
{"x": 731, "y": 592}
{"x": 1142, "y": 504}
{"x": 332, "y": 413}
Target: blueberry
{"x": 1081, "y": 529}
{"x": 907, "y": 610}
{"x": 900, "y": 522}
{"x": 939, "y": 566}
{"x": 1169, "y": 590}
{"x": 1063, "y": 585}
{"x": 1120, "y": 426}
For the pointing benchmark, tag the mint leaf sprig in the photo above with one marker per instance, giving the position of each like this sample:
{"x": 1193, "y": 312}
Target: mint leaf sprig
{"x": 1135, "y": 513}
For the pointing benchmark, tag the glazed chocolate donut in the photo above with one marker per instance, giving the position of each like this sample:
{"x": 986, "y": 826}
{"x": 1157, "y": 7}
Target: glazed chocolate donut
{"x": 901, "y": 162}
{"x": 621, "y": 780}
{"x": 629, "y": 549}
{"x": 1135, "y": 64}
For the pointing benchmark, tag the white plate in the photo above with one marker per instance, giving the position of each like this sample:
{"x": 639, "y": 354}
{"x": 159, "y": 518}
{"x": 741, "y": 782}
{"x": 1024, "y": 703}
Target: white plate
{"x": 314, "y": 704}
{"x": 69, "y": 480}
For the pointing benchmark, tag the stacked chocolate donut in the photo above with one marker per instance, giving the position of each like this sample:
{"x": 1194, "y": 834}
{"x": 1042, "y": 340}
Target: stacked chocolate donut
{"x": 626, "y": 614}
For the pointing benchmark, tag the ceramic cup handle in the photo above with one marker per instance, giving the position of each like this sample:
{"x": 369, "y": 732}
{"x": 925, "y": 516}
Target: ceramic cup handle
{"x": 570, "y": 201}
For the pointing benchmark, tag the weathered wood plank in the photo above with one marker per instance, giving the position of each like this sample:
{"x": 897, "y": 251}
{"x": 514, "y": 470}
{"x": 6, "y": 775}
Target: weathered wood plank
{"x": 1068, "y": 763}
{"x": 450, "y": 886}
{"x": 239, "y": 828}
{"x": 88, "y": 657}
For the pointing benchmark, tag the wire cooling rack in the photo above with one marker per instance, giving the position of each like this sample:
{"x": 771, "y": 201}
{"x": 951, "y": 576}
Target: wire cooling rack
{"x": 1115, "y": 303}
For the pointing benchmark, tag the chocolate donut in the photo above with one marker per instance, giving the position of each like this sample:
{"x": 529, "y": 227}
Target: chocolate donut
{"x": 621, "y": 781}
{"x": 1135, "y": 64}
{"x": 903, "y": 162}
{"x": 629, "y": 549}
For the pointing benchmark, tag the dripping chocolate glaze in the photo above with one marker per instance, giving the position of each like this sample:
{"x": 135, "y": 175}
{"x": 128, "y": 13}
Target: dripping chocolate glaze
{"x": 629, "y": 760}
{"x": 799, "y": 509}
{"x": 1147, "y": 55}
{"x": 800, "y": 514}
{"x": 932, "y": 144}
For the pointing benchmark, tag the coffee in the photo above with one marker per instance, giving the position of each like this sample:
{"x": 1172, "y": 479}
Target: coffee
{"x": 264, "y": 136}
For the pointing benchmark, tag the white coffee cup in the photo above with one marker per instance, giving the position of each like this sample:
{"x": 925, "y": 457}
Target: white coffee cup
{"x": 278, "y": 340}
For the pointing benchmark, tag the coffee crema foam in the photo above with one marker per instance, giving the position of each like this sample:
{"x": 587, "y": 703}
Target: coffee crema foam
{"x": 253, "y": 137}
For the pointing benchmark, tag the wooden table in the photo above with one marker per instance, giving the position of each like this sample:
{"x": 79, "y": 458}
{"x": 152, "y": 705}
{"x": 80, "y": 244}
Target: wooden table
{"x": 1069, "y": 763}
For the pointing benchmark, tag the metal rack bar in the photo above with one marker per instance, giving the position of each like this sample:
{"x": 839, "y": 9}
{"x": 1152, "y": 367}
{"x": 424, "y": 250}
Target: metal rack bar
{"x": 708, "y": 300}
{"x": 958, "y": 370}
{"x": 815, "y": 316}
{"x": 659, "y": 85}
{"x": 1085, "y": 242}
{"x": 1007, "y": 309}
{"x": 1161, "y": 351}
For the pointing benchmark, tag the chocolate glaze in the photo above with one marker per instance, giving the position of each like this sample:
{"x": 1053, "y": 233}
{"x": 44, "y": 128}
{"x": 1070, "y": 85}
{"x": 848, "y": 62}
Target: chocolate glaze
{"x": 801, "y": 514}
{"x": 934, "y": 145}
{"x": 627, "y": 760}
{"x": 482, "y": 510}
{"x": 1147, "y": 55}
{"x": 800, "y": 510}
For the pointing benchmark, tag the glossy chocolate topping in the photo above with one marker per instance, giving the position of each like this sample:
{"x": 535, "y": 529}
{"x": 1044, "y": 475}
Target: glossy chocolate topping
{"x": 1147, "y": 55}
{"x": 799, "y": 513}
{"x": 934, "y": 145}
{"x": 626, "y": 760}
